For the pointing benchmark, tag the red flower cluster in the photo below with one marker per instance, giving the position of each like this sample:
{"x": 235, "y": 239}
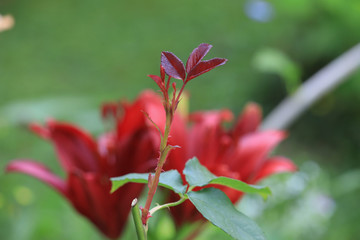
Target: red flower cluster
{"x": 89, "y": 164}
{"x": 240, "y": 152}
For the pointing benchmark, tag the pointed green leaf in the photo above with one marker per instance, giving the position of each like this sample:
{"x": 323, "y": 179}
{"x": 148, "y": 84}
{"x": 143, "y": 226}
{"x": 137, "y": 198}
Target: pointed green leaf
{"x": 169, "y": 179}
{"x": 216, "y": 207}
{"x": 198, "y": 175}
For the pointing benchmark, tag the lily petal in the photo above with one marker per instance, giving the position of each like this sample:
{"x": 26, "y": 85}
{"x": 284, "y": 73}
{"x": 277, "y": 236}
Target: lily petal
{"x": 38, "y": 171}
{"x": 134, "y": 118}
{"x": 39, "y": 130}
{"x": 90, "y": 195}
{"x": 75, "y": 148}
{"x": 275, "y": 165}
{"x": 252, "y": 152}
{"x": 110, "y": 110}
{"x": 249, "y": 120}
{"x": 204, "y": 140}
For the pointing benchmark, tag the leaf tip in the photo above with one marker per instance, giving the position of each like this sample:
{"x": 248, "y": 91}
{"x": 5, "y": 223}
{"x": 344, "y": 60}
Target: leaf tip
{"x": 113, "y": 188}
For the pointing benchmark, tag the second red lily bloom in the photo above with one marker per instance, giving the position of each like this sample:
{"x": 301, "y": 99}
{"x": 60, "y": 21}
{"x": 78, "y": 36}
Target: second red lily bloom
{"x": 240, "y": 152}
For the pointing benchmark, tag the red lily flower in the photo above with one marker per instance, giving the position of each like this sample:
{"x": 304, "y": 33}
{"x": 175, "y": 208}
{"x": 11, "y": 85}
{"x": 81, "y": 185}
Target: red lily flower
{"x": 89, "y": 164}
{"x": 240, "y": 152}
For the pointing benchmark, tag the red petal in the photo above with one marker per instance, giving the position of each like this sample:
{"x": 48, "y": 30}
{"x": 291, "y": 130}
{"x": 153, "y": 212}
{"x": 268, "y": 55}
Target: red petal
{"x": 39, "y": 130}
{"x": 90, "y": 195}
{"x": 249, "y": 120}
{"x": 206, "y": 135}
{"x": 204, "y": 67}
{"x": 173, "y": 66}
{"x": 275, "y": 165}
{"x": 178, "y": 133}
{"x": 134, "y": 119}
{"x": 197, "y": 55}
{"x": 153, "y": 105}
{"x": 74, "y": 147}
{"x": 109, "y": 110}
{"x": 38, "y": 171}
{"x": 212, "y": 117}
{"x": 252, "y": 152}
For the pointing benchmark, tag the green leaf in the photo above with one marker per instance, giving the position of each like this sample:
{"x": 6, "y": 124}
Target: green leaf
{"x": 197, "y": 175}
{"x": 272, "y": 60}
{"x": 216, "y": 207}
{"x": 169, "y": 179}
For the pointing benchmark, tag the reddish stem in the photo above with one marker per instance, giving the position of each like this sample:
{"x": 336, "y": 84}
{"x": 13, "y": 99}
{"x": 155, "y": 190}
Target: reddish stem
{"x": 168, "y": 84}
{"x": 178, "y": 96}
{"x": 164, "y": 150}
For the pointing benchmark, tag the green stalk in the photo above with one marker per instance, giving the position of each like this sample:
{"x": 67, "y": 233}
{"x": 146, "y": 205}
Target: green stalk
{"x": 135, "y": 211}
{"x": 173, "y": 204}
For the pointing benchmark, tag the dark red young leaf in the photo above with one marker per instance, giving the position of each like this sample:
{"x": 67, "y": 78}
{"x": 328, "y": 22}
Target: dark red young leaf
{"x": 158, "y": 81}
{"x": 197, "y": 55}
{"x": 162, "y": 73}
{"x": 173, "y": 66}
{"x": 204, "y": 67}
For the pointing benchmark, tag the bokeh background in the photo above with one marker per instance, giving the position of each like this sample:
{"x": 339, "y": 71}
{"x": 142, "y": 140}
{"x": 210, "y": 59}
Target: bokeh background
{"x": 64, "y": 58}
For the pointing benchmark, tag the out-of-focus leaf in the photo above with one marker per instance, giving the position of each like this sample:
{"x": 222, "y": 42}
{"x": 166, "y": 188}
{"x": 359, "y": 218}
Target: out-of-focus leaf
{"x": 216, "y": 207}
{"x": 169, "y": 179}
{"x": 173, "y": 66}
{"x": 198, "y": 175}
{"x": 274, "y": 61}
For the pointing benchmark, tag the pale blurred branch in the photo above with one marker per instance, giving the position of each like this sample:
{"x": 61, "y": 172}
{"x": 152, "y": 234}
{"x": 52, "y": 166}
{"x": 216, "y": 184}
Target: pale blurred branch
{"x": 6, "y": 22}
{"x": 314, "y": 88}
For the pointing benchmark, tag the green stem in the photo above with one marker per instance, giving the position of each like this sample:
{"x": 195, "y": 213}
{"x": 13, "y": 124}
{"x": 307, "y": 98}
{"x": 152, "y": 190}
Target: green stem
{"x": 173, "y": 204}
{"x": 140, "y": 231}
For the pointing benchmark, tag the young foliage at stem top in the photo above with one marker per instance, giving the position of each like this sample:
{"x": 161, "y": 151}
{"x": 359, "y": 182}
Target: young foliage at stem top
{"x": 174, "y": 67}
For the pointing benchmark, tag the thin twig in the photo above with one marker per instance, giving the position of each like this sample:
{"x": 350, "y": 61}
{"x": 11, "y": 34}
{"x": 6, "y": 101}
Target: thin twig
{"x": 168, "y": 205}
{"x": 314, "y": 88}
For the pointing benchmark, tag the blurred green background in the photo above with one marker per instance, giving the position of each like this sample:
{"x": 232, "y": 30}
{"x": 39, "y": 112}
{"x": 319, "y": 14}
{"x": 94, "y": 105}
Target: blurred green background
{"x": 64, "y": 58}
